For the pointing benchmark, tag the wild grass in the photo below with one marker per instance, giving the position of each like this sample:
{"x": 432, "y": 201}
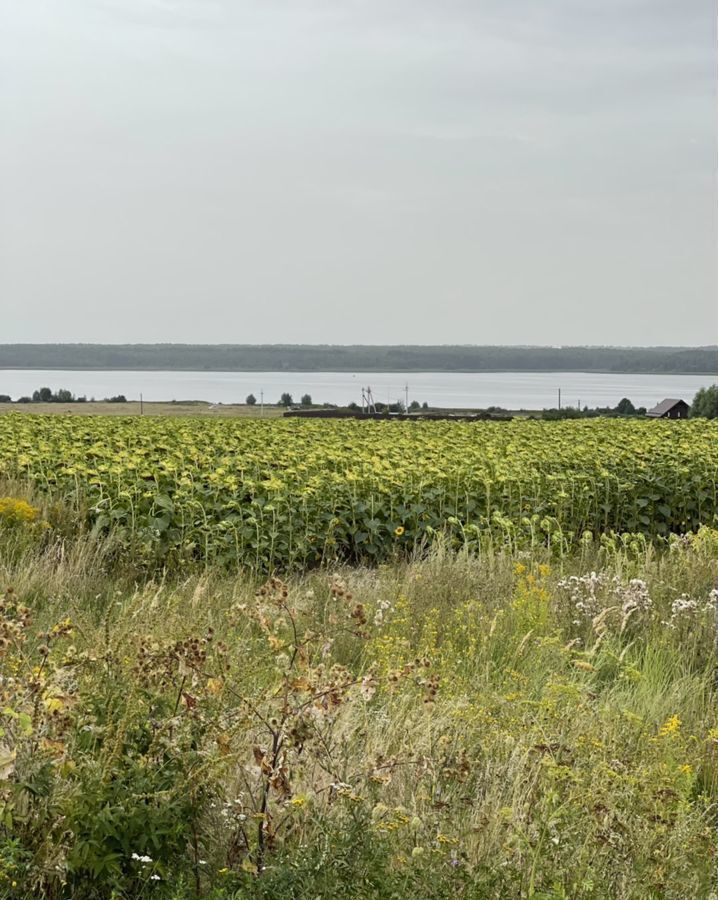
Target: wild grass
{"x": 452, "y": 726}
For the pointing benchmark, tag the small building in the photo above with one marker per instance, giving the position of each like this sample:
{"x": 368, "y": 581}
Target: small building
{"x": 669, "y": 409}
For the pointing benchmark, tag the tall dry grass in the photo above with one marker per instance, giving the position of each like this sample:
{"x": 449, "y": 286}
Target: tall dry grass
{"x": 451, "y": 726}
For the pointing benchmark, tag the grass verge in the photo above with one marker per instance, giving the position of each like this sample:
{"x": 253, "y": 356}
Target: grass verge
{"x": 450, "y": 726}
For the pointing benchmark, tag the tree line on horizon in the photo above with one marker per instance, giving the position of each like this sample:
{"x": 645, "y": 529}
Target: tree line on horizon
{"x": 705, "y": 404}
{"x": 62, "y": 395}
{"x": 396, "y": 358}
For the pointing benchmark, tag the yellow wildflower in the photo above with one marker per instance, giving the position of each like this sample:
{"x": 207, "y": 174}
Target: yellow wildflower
{"x": 582, "y": 664}
{"x": 16, "y": 512}
{"x": 671, "y": 726}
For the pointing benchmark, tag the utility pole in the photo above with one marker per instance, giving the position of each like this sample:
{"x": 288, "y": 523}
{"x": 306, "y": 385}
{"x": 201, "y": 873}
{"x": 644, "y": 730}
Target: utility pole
{"x": 406, "y": 395}
{"x": 142, "y": 406}
{"x": 261, "y": 404}
{"x": 559, "y": 398}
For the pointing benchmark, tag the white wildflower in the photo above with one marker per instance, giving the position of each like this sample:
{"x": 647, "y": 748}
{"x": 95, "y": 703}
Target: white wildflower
{"x": 635, "y": 597}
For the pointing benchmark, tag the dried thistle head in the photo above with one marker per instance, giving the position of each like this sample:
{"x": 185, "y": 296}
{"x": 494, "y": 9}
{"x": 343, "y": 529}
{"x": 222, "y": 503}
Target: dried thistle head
{"x": 338, "y": 588}
{"x": 274, "y": 591}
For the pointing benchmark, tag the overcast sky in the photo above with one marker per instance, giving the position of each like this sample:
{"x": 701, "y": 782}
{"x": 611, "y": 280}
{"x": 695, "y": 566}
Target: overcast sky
{"x": 381, "y": 171}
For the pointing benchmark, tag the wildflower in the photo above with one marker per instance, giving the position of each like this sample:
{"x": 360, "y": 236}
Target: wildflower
{"x": 17, "y": 512}
{"x": 585, "y": 666}
{"x": 671, "y": 726}
{"x": 155, "y": 878}
{"x": 635, "y": 597}
{"x": 685, "y": 608}
{"x": 214, "y": 685}
{"x": 681, "y": 607}
{"x": 382, "y": 607}
{"x": 583, "y": 593}
{"x": 399, "y": 531}
{"x": 143, "y": 859}
{"x": 445, "y": 839}
{"x": 367, "y": 687}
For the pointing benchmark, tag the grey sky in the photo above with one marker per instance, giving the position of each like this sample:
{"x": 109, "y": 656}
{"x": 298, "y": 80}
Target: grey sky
{"x": 380, "y": 171}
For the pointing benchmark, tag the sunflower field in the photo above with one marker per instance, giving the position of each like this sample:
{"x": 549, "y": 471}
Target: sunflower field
{"x": 295, "y": 493}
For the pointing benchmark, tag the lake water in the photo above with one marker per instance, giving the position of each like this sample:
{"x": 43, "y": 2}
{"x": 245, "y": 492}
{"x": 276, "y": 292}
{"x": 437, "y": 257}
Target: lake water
{"x": 511, "y": 390}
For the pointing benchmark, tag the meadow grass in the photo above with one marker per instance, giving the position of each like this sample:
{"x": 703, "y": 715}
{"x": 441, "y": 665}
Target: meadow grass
{"x": 452, "y": 725}
{"x": 193, "y": 408}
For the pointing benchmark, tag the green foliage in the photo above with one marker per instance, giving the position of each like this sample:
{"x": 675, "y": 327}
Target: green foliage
{"x": 306, "y": 400}
{"x": 456, "y": 727}
{"x": 294, "y": 493}
{"x": 95, "y": 768}
{"x": 251, "y": 400}
{"x": 357, "y": 358}
{"x": 46, "y": 395}
{"x": 15, "y": 512}
{"x": 285, "y": 400}
{"x": 705, "y": 403}
{"x": 526, "y": 709}
{"x": 625, "y": 407}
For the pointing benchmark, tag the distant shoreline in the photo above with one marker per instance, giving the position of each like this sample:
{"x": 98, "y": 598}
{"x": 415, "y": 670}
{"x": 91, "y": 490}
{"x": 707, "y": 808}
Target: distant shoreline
{"x": 387, "y": 359}
{"x": 396, "y": 371}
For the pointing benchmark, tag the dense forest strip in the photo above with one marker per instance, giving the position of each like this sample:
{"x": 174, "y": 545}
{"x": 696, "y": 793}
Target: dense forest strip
{"x": 360, "y": 358}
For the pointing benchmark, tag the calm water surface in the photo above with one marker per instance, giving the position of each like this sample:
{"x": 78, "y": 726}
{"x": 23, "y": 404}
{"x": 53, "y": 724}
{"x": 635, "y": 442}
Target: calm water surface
{"x": 511, "y": 390}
